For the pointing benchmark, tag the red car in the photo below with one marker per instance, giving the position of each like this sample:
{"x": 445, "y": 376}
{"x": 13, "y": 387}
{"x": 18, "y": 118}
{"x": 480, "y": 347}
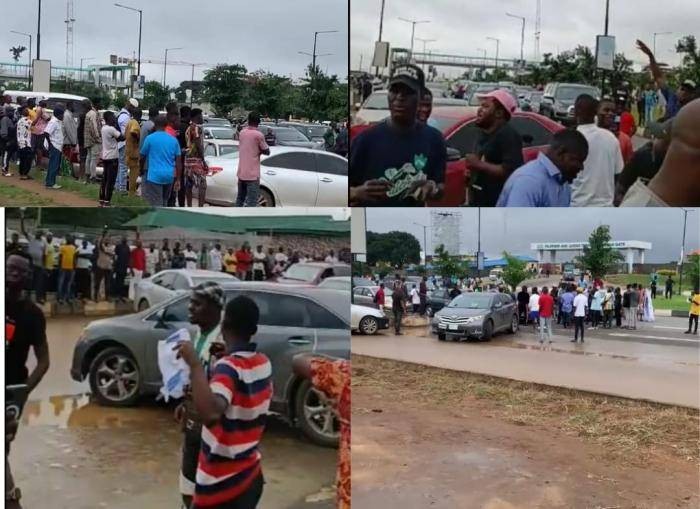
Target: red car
{"x": 461, "y": 134}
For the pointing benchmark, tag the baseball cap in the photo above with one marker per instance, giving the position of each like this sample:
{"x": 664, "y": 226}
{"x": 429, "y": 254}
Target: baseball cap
{"x": 689, "y": 84}
{"x": 504, "y": 99}
{"x": 134, "y": 102}
{"x": 410, "y": 75}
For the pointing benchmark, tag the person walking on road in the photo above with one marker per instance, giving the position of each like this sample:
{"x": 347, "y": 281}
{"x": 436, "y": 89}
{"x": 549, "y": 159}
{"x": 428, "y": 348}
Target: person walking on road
{"x": 580, "y": 307}
{"x": 669, "y": 288}
{"x": 398, "y": 304}
{"x": 546, "y": 305}
{"x": 251, "y": 146}
{"x": 694, "y": 311}
{"x": 533, "y": 308}
{"x": 110, "y": 157}
{"x": 618, "y": 307}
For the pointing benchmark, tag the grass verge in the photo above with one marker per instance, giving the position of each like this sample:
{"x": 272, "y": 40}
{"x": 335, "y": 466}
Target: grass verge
{"x": 11, "y": 196}
{"x": 625, "y": 428}
{"x": 92, "y": 191}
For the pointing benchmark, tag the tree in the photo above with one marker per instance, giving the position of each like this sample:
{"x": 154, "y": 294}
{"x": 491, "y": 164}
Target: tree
{"x": 225, "y": 87}
{"x": 197, "y": 88}
{"x": 154, "y": 94}
{"x": 598, "y": 257}
{"x": 17, "y": 52}
{"x": 397, "y": 248}
{"x": 320, "y": 99}
{"x": 446, "y": 265}
{"x": 515, "y": 271}
{"x": 690, "y": 64}
{"x": 693, "y": 270}
{"x": 267, "y": 94}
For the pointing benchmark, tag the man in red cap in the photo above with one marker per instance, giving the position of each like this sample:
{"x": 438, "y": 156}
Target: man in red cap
{"x": 499, "y": 150}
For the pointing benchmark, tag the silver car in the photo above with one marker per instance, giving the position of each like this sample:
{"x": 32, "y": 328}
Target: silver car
{"x": 119, "y": 356}
{"x": 166, "y": 283}
{"x": 476, "y": 315}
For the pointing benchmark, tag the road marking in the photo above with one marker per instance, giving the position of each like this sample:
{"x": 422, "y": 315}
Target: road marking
{"x": 666, "y": 327}
{"x": 653, "y": 337}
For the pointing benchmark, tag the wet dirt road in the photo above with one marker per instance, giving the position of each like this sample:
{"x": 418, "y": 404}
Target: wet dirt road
{"x": 73, "y": 454}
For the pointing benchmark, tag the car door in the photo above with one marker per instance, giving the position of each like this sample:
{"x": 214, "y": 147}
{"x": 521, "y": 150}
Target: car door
{"x": 210, "y": 150}
{"x": 332, "y": 180}
{"x": 363, "y": 296}
{"x": 181, "y": 284}
{"x": 292, "y": 178}
{"x": 162, "y": 288}
{"x": 505, "y": 311}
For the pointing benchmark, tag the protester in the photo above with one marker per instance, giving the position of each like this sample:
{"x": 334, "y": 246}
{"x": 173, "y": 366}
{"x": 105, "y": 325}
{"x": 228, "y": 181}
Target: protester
{"x": 545, "y": 181}
{"x": 39, "y": 120}
{"x": 533, "y": 308}
{"x": 618, "y": 307}
{"x": 415, "y": 299}
{"x": 190, "y": 258}
{"x": 423, "y": 293}
{"x": 83, "y": 267}
{"x": 67, "y": 263}
{"x": 203, "y": 257}
{"x": 595, "y": 185}
{"x": 194, "y": 164}
{"x": 122, "y": 257}
{"x": 238, "y": 397}
{"x": 608, "y": 306}
{"x": 499, "y": 150}
{"x": 110, "y": 157}
{"x": 24, "y": 144}
{"x": 152, "y": 261}
{"x": 398, "y": 304}
{"x": 25, "y": 329}
{"x": 329, "y": 137}
{"x": 523, "y": 301}
{"x": 580, "y": 309}
{"x": 53, "y": 133}
{"x": 132, "y": 135}
{"x": 123, "y": 118}
{"x": 82, "y": 150}
{"x": 669, "y": 288}
{"x": 400, "y": 161}
{"x": 606, "y": 120}
{"x": 162, "y": 154}
{"x": 633, "y": 305}
{"x": 206, "y": 304}
{"x": 258, "y": 264}
{"x": 567, "y": 306}
{"x": 181, "y": 135}
{"x": 546, "y": 309}
{"x": 216, "y": 258}
{"x": 93, "y": 141}
{"x": 70, "y": 132}
{"x": 380, "y": 297}
{"x": 8, "y": 140}
{"x": 230, "y": 262}
{"x": 178, "y": 259}
{"x": 244, "y": 259}
{"x": 597, "y": 307}
{"x": 627, "y": 123}
{"x": 251, "y": 146}
{"x": 694, "y": 300}
{"x": 149, "y": 125}
{"x": 425, "y": 106}
{"x": 137, "y": 265}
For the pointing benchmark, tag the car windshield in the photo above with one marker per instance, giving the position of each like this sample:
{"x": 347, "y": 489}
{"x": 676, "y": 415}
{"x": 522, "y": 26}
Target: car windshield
{"x": 227, "y": 149}
{"x": 571, "y": 93}
{"x": 301, "y": 272}
{"x": 471, "y": 301}
{"x": 316, "y": 131}
{"x": 289, "y": 134}
{"x": 222, "y": 133}
{"x": 199, "y": 280}
{"x": 211, "y": 122}
{"x": 376, "y": 102}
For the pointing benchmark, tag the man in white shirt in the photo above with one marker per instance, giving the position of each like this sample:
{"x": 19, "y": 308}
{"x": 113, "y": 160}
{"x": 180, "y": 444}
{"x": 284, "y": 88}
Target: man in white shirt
{"x": 580, "y": 305}
{"x": 281, "y": 258}
{"x": 595, "y": 185}
{"x": 259, "y": 264}
{"x": 215, "y": 258}
{"x": 54, "y": 136}
{"x": 190, "y": 258}
{"x": 533, "y": 308}
{"x": 152, "y": 260}
{"x": 83, "y": 266}
{"x": 331, "y": 258}
{"x": 415, "y": 298}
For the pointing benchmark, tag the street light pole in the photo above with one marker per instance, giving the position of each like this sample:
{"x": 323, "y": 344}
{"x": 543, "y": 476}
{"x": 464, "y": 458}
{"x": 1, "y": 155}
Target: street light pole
{"x": 498, "y": 44}
{"x": 522, "y": 36}
{"x": 680, "y": 282}
{"x": 138, "y": 61}
{"x": 659, "y": 33}
{"x": 425, "y": 240}
{"x": 425, "y": 41}
{"x": 413, "y": 23}
{"x": 165, "y": 64}
{"x": 313, "y": 60}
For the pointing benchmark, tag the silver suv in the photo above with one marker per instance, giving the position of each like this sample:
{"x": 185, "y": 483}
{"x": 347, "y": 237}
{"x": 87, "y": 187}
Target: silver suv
{"x": 558, "y": 99}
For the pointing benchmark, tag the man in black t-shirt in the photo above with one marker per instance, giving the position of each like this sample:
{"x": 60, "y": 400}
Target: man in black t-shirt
{"x": 399, "y": 162}
{"x": 499, "y": 151}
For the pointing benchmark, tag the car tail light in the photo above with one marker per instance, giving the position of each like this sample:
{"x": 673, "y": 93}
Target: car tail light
{"x": 213, "y": 170}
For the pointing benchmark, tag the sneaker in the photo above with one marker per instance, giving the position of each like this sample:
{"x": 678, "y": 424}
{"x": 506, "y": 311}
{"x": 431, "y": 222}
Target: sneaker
{"x": 55, "y": 186}
{"x": 574, "y": 340}
{"x": 6, "y": 174}
{"x": 687, "y": 332}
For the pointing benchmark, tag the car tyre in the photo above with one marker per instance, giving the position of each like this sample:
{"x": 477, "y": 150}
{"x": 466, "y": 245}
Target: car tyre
{"x": 429, "y": 310}
{"x": 265, "y": 198}
{"x": 143, "y": 305}
{"x": 311, "y": 402}
{"x": 488, "y": 331}
{"x": 441, "y": 337}
{"x": 514, "y": 324}
{"x": 369, "y": 326}
{"x": 118, "y": 363}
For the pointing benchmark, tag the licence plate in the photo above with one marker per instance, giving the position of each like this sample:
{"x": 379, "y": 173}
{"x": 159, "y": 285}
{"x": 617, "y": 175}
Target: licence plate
{"x": 453, "y": 326}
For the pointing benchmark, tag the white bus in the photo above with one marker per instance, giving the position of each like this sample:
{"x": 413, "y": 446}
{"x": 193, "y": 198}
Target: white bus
{"x": 51, "y": 98}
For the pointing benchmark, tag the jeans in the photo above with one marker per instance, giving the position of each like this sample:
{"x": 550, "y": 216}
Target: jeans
{"x": 93, "y": 155}
{"x": 248, "y": 191}
{"x": 100, "y": 275}
{"x": 566, "y": 318}
{"x": 25, "y": 160}
{"x": 631, "y": 316}
{"x": 693, "y": 318}
{"x": 39, "y": 280}
{"x": 579, "y": 326}
{"x": 156, "y": 195}
{"x": 545, "y": 321}
{"x": 54, "y": 166}
{"x": 398, "y": 313}
{"x": 122, "y": 174}
{"x": 65, "y": 284}
{"x": 109, "y": 175}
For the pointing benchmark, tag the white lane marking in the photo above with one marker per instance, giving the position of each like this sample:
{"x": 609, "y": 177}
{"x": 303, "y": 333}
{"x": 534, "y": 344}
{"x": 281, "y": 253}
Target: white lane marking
{"x": 653, "y": 337}
{"x": 666, "y": 327}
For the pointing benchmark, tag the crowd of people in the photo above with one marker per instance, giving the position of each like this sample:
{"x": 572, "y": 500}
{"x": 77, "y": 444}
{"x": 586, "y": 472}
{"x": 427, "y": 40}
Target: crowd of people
{"x": 402, "y": 161}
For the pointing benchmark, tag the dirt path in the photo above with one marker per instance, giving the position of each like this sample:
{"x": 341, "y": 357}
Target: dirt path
{"x": 59, "y": 198}
{"x": 409, "y": 452}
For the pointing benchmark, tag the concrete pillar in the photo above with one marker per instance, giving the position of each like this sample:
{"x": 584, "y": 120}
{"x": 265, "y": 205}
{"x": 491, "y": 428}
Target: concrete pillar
{"x": 641, "y": 256}
{"x": 540, "y": 256}
{"x": 630, "y": 260}
{"x": 552, "y": 256}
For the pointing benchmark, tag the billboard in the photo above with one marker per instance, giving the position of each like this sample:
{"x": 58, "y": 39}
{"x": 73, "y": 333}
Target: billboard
{"x": 381, "y": 55}
{"x": 358, "y": 231}
{"x": 41, "y": 75}
{"x": 139, "y": 87}
{"x": 605, "y": 52}
{"x": 446, "y": 230}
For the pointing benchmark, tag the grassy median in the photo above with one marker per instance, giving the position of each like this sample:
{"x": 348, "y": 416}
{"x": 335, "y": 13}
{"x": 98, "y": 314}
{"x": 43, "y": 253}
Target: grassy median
{"x": 625, "y": 428}
{"x": 11, "y": 196}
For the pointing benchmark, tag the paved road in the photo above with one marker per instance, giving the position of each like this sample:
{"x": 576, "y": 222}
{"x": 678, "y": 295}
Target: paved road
{"x": 80, "y": 455}
{"x": 661, "y": 371}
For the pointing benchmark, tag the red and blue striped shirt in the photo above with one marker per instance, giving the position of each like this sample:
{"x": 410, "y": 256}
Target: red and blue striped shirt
{"x": 229, "y": 460}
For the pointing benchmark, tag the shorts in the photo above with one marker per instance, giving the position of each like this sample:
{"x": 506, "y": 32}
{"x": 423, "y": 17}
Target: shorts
{"x": 534, "y": 315}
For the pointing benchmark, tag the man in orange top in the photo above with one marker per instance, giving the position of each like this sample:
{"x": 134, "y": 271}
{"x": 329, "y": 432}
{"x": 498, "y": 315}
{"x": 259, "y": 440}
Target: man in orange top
{"x": 627, "y": 123}
{"x": 606, "y": 120}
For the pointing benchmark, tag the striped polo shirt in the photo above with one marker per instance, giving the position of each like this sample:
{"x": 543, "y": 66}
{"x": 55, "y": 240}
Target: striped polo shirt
{"x": 229, "y": 460}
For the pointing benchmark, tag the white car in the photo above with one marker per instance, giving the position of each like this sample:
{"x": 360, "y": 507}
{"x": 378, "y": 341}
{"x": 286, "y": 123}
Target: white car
{"x": 218, "y": 148}
{"x": 289, "y": 176}
{"x": 336, "y": 283}
{"x": 163, "y": 285}
{"x": 374, "y": 109}
{"x": 218, "y": 133}
{"x": 367, "y": 320}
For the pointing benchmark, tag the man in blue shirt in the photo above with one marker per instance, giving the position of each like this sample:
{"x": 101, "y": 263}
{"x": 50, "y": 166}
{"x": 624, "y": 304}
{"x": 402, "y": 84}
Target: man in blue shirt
{"x": 544, "y": 182}
{"x": 567, "y": 305}
{"x": 162, "y": 152}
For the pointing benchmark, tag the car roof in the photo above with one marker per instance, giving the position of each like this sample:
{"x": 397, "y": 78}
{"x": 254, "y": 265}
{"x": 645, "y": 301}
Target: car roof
{"x": 280, "y": 149}
{"x": 323, "y": 264}
{"x": 195, "y": 273}
{"x": 338, "y": 278}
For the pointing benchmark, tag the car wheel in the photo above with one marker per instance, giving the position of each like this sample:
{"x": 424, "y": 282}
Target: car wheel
{"x": 429, "y": 310}
{"x": 442, "y": 337}
{"x": 369, "y": 325}
{"x": 265, "y": 198}
{"x": 115, "y": 378}
{"x": 316, "y": 416}
{"x": 143, "y": 305}
{"x": 488, "y": 330}
{"x": 514, "y": 324}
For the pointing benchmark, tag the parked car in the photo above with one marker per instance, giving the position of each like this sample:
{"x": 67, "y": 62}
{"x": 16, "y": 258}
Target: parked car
{"x": 336, "y": 283}
{"x": 166, "y": 283}
{"x": 313, "y": 273}
{"x": 218, "y": 148}
{"x": 558, "y": 98}
{"x": 293, "y": 320}
{"x": 218, "y": 133}
{"x": 367, "y": 320}
{"x": 476, "y": 315}
{"x": 290, "y": 137}
{"x": 364, "y": 296}
{"x": 437, "y": 299}
{"x": 289, "y": 176}
{"x": 216, "y": 122}
{"x": 374, "y": 109}
{"x": 475, "y": 96}
{"x": 531, "y": 101}
{"x": 360, "y": 281}
{"x": 313, "y": 132}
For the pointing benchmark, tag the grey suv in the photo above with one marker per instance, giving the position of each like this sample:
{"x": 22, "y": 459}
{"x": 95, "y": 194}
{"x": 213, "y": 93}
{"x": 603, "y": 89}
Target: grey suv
{"x": 119, "y": 355}
{"x": 476, "y": 315}
{"x": 558, "y": 99}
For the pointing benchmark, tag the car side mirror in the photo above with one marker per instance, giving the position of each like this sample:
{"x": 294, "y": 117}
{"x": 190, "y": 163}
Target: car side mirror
{"x": 453, "y": 154}
{"x": 547, "y": 98}
{"x": 160, "y": 320}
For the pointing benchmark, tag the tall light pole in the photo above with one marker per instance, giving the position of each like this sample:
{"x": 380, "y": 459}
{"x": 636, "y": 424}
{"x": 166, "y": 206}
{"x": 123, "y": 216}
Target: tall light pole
{"x": 413, "y": 23}
{"x": 313, "y": 61}
{"x": 425, "y": 41}
{"x": 29, "y": 78}
{"x": 38, "y": 34}
{"x": 165, "y": 64}
{"x": 659, "y": 33}
{"x": 498, "y": 44}
{"x": 482, "y": 49}
{"x": 425, "y": 240}
{"x": 522, "y": 35}
{"x": 685, "y": 222}
{"x": 138, "y": 61}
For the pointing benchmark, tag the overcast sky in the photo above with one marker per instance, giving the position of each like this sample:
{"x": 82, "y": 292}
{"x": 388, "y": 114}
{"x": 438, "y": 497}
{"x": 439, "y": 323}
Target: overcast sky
{"x": 514, "y": 230}
{"x": 260, "y": 35}
{"x": 461, "y": 27}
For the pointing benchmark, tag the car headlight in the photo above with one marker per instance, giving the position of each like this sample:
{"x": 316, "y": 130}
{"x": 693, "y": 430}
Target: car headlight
{"x": 475, "y": 319}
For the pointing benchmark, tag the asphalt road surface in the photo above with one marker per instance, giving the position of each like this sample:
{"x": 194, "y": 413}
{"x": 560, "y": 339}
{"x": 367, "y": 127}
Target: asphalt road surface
{"x": 71, "y": 453}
